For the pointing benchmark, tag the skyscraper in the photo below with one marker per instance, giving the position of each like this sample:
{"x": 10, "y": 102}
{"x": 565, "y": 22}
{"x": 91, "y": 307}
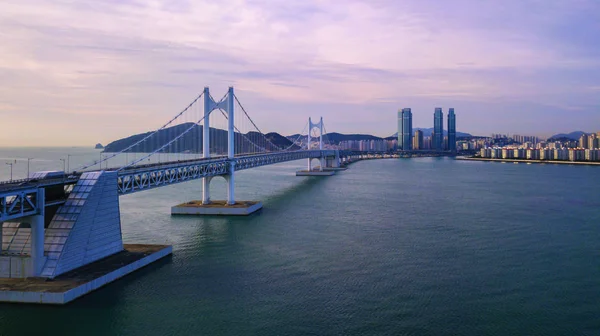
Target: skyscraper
{"x": 451, "y": 130}
{"x": 418, "y": 140}
{"x": 438, "y": 129}
{"x": 399, "y": 129}
{"x": 405, "y": 129}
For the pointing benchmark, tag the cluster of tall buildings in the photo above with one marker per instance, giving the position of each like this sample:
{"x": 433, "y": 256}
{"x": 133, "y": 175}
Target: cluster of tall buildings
{"x": 590, "y": 141}
{"x": 407, "y": 140}
{"x": 555, "y": 154}
{"x": 586, "y": 149}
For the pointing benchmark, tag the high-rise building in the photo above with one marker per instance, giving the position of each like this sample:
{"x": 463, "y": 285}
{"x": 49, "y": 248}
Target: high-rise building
{"x": 583, "y": 141}
{"x": 418, "y": 140}
{"x": 592, "y": 141}
{"x": 399, "y": 129}
{"x": 438, "y": 129}
{"x": 405, "y": 129}
{"x": 427, "y": 142}
{"x": 451, "y": 130}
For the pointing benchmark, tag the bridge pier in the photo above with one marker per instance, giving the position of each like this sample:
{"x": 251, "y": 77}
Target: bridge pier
{"x": 78, "y": 243}
{"x": 206, "y": 190}
{"x": 231, "y": 186}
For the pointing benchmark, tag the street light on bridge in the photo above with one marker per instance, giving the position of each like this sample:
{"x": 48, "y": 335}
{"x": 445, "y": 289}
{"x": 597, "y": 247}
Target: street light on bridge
{"x": 28, "y": 159}
{"x": 11, "y": 169}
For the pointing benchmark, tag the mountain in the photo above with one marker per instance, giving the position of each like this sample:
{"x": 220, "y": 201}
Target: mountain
{"x": 192, "y": 141}
{"x": 428, "y": 131}
{"x": 573, "y": 135}
{"x": 335, "y": 138}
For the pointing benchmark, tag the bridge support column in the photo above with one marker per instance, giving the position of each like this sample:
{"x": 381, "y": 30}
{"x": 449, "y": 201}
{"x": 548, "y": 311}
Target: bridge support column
{"x": 38, "y": 235}
{"x": 206, "y": 190}
{"x": 231, "y": 186}
{"x": 37, "y": 244}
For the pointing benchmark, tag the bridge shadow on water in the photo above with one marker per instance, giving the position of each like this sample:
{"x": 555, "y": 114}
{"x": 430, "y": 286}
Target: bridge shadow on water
{"x": 222, "y": 230}
{"x": 284, "y": 195}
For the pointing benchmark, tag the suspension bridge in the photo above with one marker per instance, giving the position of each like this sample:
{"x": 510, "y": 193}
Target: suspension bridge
{"x": 55, "y": 222}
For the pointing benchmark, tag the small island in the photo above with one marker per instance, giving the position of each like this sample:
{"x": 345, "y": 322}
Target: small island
{"x": 99, "y": 146}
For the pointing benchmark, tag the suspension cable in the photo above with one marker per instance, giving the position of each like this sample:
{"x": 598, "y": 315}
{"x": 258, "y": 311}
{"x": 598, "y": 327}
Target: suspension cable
{"x": 163, "y": 146}
{"x": 146, "y": 137}
{"x": 259, "y": 131}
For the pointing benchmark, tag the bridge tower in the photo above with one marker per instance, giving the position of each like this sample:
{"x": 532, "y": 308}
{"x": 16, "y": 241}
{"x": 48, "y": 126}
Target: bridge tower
{"x": 228, "y": 106}
{"x": 318, "y": 126}
{"x": 327, "y": 164}
{"x": 206, "y": 206}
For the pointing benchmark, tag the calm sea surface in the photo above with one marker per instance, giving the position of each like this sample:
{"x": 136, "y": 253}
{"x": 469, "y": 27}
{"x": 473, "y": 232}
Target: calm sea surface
{"x": 427, "y": 246}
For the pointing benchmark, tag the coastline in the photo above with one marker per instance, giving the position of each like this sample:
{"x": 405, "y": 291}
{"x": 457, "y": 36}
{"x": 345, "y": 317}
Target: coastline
{"x": 585, "y": 163}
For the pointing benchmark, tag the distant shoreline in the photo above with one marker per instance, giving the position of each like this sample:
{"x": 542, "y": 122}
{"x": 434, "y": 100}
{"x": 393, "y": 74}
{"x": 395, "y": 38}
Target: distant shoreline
{"x": 530, "y": 161}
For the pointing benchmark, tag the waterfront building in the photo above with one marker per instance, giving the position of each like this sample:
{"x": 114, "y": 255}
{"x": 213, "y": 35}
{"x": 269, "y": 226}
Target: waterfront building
{"x": 427, "y": 142}
{"x": 405, "y": 129}
{"x": 451, "y": 130}
{"x": 399, "y": 134}
{"x": 507, "y": 153}
{"x": 592, "y": 141}
{"x": 438, "y": 129}
{"x": 392, "y": 144}
{"x": 561, "y": 154}
{"x": 532, "y": 154}
{"x": 583, "y": 141}
{"x": 496, "y": 153}
{"x": 519, "y": 153}
{"x": 576, "y": 154}
{"x": 367, "y": 145}
{"x": 418, "y": 140}
{"x": 464, "y": 145}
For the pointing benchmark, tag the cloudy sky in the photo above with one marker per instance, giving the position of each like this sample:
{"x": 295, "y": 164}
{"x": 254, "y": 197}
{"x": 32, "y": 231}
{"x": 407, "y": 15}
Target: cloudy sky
{"x": 80, "y": 72}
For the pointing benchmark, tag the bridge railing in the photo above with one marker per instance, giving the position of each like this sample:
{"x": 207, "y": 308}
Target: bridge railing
{"x": 134, "y": 180}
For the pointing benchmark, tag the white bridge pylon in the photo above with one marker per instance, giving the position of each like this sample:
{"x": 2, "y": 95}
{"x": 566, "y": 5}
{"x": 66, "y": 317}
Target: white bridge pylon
{"x": 227, "y": 105}
{"x": 312, "y": 126}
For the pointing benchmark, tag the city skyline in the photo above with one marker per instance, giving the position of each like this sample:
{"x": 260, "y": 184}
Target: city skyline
{"x": 70, "y": 69}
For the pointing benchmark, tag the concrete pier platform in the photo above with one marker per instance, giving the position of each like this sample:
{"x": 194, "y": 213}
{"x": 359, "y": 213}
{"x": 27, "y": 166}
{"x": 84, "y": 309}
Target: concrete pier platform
{"x": 78, "y": 282}
{"x": 315, "y": 173}
{"x": 216, "y": 208}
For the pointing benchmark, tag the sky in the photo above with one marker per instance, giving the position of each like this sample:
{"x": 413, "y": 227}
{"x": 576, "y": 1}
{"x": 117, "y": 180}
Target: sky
{"x": 80, "y": 72}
